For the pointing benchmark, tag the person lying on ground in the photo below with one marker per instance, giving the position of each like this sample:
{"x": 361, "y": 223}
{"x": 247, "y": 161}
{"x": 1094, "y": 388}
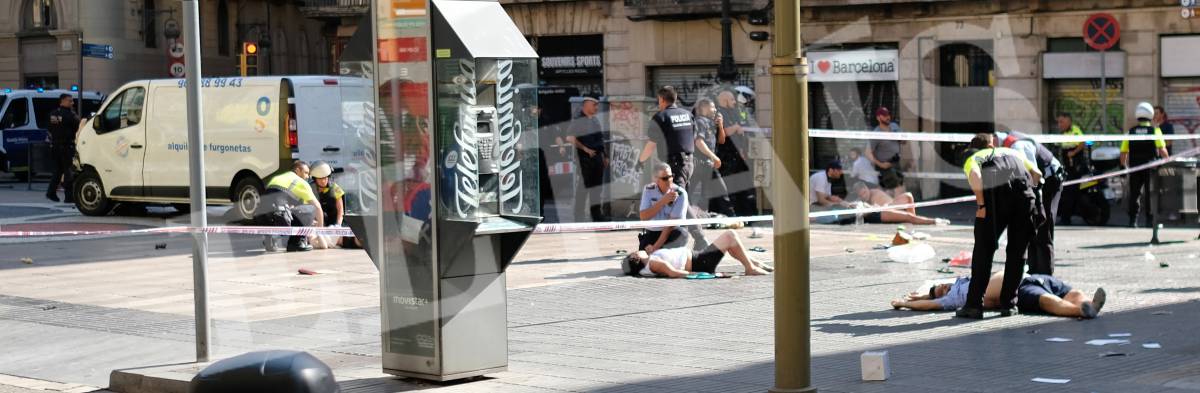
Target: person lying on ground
{"x": 878, "y": 198}
{"x": 1037, "y": 294}
{"x": 679, "y": 262}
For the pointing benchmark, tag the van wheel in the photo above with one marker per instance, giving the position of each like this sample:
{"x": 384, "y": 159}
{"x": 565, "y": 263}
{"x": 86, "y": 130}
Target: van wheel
{"x": 89, "y": 195}
{"x": 247, "y": 193}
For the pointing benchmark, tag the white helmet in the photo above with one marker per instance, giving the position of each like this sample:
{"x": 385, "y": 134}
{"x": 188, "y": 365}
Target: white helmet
{"x": 320, "y": 170}
{"x": 1144, "y": 111}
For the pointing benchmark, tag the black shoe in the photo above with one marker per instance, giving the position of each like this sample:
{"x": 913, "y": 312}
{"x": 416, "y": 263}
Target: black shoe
{"x": 301, "y": 246}
{"x": 969, "y": 312}
{"x": 52, "y": 197}
{"x": 1008, "y": 312}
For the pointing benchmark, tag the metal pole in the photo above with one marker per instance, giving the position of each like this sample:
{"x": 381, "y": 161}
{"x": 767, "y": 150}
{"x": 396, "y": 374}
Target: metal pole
{"x": 1103, "y": 94}
{"x": 789, "y": 91}
{"x": 726, "y": 70}
{"x": 191, "y": 36}
{"x": 79, "y": 22}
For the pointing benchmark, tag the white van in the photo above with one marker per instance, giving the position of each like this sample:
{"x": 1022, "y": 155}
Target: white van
{"x": 135, "y": 150}
{"x": 25, "y": 118}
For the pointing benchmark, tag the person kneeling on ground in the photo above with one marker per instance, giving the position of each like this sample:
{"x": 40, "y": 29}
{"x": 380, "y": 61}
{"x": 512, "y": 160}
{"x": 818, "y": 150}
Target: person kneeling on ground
{"x": 289, "y": 200}
{"x": 878, "y": 198}
{"x": 679, "y": 262}
{"x": 1037, "y": 294}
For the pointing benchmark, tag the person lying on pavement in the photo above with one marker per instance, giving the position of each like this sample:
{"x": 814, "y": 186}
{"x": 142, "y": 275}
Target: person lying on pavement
{"x": 679, "y": 262}
{"x": 1037, "y": 294}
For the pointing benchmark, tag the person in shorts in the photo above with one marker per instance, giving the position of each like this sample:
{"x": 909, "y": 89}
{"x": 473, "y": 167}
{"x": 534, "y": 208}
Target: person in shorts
{"x": 679, "y": 262}
{"x": 1037, "y": 294}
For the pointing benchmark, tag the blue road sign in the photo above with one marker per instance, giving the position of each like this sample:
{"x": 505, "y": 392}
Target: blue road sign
{"x": 98, "y": 51}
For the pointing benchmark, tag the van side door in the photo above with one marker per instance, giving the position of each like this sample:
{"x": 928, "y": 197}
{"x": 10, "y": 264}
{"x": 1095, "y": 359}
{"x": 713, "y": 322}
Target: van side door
{"x": 117, "y": 150}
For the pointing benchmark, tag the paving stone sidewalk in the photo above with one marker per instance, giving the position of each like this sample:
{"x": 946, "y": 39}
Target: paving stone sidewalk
{"x": 621, "y": 334}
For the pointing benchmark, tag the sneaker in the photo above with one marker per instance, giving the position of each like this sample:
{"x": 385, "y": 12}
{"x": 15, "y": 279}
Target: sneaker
{"x": 1091, "y": 310}
{"x": 941, "y": 222}
{"x": 969, "y": 312}
{"x": 299, "y": 247}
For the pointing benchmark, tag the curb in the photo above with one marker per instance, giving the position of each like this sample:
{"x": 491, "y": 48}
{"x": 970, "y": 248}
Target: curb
{"x": 50, "y": 386}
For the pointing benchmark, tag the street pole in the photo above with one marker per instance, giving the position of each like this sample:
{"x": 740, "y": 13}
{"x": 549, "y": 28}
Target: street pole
{"x": 191, "y": 37}
{"x": 726, "y": 70}
{"x": 1103, "y": 94}
{"x": 789, "y": 92}
{"x": 79, "y": 25}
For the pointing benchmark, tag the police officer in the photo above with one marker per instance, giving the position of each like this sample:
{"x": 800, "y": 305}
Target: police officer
{"x": 289, "y": 191}
{"x": 673, "y": 137}
{"x": 64, "y": 124}
{"x": 1134, "y": 153}
{"x": 1076, "y": 162}
{"x": 1002, "y": 180}
{"x": 1041, "y": 249}
{"x": 662, "y": 199}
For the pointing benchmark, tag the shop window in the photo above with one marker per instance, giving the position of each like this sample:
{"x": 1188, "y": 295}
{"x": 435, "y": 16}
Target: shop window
{"x": 40, "y": 15}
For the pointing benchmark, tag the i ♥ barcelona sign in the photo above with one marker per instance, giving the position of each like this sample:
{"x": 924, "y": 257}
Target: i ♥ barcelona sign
{"x": 854, "y": 65}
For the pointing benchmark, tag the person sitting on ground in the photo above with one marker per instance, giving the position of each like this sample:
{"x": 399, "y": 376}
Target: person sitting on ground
{"x": 874, "y": 197}
{"x": 679, "y": 262}
{"x": 662, "y": 200}
{"x": 1037, "y": 294}
{"x": 820, "y": 193}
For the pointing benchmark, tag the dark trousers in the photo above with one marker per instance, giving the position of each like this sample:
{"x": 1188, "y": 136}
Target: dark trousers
{"x": 1141, "y": 183}
{"x": 709, "y": 192}
{"x": 1069, "y": 199}
{"x": 590, "y": 197}
{"x": 1041, "y": 249}
{"x": 302, "y": 216}
{"x": 682, "y": 166}
{"x": 675, "y": 239}
{"x": 63, "y": 172}
{"x": 1003, "y": 212}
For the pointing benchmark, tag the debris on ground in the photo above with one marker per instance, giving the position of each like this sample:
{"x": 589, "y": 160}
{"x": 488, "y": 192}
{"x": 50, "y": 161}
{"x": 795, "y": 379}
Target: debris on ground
{"x": 306, "y": 272}
{"x": 1152, "y": 345}
{"x": 27, "y": 260}
{"x": 1162, "y": 313}
{"x": 1102, "y": 342}
{"x": 622, "y": 252}
{"x": 962, "y": 259}
{"x": 1110, "y": 354}
{"x": 945, "y": 270}
{"x": 758, "y": 249}
{"x": 1050, "y": 380}
{"x": 160, "y": 246}
{"x": 1115, "y": 335}
{"x": 48, "y": 308}
{"x": 875, "y": 366}
{"x": 848, "y": 250}
{"x": 911, "y": 253}
{"x": 1059, "y": 340}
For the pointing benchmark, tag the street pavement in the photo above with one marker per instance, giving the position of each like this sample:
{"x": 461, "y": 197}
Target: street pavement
{"x": 85, "y": 307}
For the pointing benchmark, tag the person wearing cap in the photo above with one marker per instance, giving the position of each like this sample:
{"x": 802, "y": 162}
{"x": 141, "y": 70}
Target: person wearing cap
{"x": 589, "y": 139}
{"x": 1002, "y": 180}
{"x": 289, "y": 191}
{"x": 885, "y": 154}
{"x": 1134, "y": 153}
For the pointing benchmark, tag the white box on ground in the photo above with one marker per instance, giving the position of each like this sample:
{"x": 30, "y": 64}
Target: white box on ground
{"x": 875, "y": 366}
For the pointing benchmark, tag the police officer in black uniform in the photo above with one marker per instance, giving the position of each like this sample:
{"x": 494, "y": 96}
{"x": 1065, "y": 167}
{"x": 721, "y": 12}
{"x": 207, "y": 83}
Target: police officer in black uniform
{"x": 1002, "y": 180}
{"x": 673, "y": 137}
{"x": 64, "y": 123}
{"x": 1134, "y": 153}
{"x": 1041, "y": 249}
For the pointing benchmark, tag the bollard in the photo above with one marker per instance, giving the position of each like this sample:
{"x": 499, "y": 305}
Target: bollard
{"x": 266, "y": 372}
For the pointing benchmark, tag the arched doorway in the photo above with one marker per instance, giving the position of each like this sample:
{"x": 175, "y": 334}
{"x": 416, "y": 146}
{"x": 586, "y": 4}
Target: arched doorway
{"x": 39, "y": 64}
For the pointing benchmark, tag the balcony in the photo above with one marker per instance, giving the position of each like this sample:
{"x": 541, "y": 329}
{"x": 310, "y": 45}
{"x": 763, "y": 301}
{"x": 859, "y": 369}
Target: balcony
{"x": 688, "y": 9}
{"x": 334, "y": 8}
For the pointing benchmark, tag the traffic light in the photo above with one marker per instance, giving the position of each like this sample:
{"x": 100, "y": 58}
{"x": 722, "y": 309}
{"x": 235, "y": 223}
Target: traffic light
{"x": 248, "y": 63}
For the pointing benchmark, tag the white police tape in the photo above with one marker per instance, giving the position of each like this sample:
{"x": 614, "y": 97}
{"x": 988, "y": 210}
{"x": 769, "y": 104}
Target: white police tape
{"x": 963, "y": 138}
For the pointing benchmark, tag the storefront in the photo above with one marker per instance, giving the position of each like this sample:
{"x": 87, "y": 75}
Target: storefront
{"x": 694, "y": 82}
{"x": 845, "y": 88}
{"x": 1181, "y": 85}
{"x": 1073, "y": 86}
{"x": 572, "y": 61}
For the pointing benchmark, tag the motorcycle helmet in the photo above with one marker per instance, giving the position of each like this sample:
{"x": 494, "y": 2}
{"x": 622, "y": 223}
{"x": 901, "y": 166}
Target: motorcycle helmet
{"x": 320, "y": 170}
{"x": 1144, "y": 111}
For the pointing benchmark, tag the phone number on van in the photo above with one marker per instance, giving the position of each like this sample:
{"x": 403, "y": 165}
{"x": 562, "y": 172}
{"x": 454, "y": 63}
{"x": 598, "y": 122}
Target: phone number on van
{"x": 215, "y": 82}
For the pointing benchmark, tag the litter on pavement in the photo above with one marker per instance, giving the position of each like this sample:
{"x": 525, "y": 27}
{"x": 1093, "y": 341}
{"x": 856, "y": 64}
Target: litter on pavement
{"x": 911, "y": 253}
{"x": 962, "y": 259}
{"x": 1051, "y": 380}
{"x": 27, "y": 260}
{"x": 1059, "y": 340}
{"x": 306, "y": 272}
{"x": 1120, "y": 335}
{"x": 1152, "y": 345}
{"x": 1102, "y": 341}
{"x": 1111, "y": 354}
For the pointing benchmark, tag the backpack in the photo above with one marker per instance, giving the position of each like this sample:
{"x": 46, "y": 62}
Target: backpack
{"x": 1004, "y": 176}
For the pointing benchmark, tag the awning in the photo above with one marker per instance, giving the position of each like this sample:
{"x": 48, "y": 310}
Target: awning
{"x": 485, "y": 29}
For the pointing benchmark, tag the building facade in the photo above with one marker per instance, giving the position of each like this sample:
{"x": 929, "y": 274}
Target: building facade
{"x": 40, "y": 39}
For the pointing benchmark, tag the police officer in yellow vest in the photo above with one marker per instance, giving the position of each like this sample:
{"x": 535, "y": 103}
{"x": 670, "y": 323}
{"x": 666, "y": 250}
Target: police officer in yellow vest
{"x": 1002, "y": 180}
{"x": 289, "y": 191}
{"x": 1076, "y": 161}
{"x": 1134, "y": 153}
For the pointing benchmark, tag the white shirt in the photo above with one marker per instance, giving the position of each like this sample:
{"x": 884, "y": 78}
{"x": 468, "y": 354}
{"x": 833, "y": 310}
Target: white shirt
{"x": 862, "y": 169}
{"x": 676, "y": 257}
{"x": 819, "y": 182}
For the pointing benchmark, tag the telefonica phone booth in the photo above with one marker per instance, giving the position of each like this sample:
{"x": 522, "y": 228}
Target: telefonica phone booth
{"x": 458, "y": 181}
